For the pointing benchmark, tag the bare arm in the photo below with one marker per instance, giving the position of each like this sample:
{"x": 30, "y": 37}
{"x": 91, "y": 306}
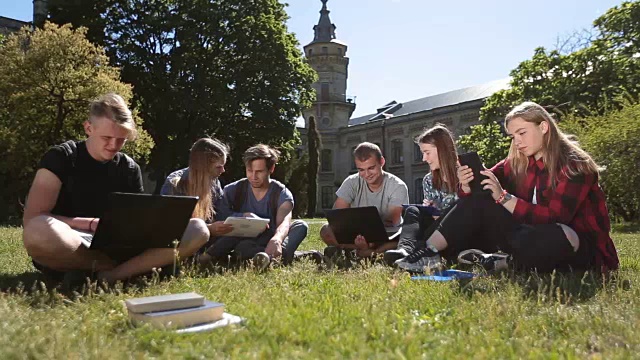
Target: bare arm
{"x": 341, "y": 204}
{"x": 42, "y": 198}
{"x": 283, "y": 221}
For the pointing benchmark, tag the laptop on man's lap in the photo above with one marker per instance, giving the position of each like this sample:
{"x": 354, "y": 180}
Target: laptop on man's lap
{"x": 348, "y": 223}
{"x": 141, "y": 221}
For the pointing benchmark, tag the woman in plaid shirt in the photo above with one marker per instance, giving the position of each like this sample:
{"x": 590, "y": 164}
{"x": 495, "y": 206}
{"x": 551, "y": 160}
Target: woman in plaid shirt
{"x": 546, "y": 209}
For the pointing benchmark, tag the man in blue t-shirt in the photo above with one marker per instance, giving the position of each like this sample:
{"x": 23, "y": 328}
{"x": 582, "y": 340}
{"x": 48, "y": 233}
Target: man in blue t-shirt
{"x": 69, "y": 195}
{"x": 258, "y": 195}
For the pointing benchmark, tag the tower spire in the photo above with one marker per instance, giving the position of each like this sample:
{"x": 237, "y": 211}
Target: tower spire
{"x": 325, "y": 31}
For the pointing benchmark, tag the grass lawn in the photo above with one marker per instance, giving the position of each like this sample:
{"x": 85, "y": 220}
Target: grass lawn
{"x": 308, "y": 312}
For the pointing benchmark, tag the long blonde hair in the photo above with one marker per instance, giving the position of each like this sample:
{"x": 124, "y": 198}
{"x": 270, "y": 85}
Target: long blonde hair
{"x": 440, "y": 137}
{"x": 204, "y": 154}
{"x": 561, "y": 154}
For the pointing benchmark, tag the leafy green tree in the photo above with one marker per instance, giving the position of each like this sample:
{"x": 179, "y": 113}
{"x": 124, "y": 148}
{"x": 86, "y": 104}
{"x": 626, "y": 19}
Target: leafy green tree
{"x": 613, "y": 139}
{"x": 47, "y": 79}
{"x": 224, "y": 68}
{"x": 81, "y": 13}
{"x": 588, "y": 81}
{"x": 488, "y": 141}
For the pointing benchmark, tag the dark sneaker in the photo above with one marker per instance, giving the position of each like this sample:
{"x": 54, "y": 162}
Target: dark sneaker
{"x": 425, "y": 260}
{"x": 332, "y": 252}
{"x": 391, "y": 256}
{"x": 490, "y": 262}
{"x": 313, "y": 255}
{"x": 337, "y": 257}
{"x": 261, "y": 261}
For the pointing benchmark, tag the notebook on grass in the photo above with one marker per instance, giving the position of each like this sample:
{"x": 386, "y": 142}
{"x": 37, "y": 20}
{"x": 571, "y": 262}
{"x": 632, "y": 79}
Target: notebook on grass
{"x": 164, "y": 302}
{"x": 181, "y": 318}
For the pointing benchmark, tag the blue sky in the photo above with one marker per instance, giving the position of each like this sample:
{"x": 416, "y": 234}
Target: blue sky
{"x": 407, "y": 49}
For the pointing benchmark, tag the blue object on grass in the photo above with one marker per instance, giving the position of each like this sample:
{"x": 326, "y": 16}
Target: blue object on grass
{"x": 446, "y": 275}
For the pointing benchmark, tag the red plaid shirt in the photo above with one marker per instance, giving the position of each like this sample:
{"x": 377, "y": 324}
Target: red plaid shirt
{"x": 577, "y": 202}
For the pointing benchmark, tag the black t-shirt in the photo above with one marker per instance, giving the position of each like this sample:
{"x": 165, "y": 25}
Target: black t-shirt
{"x": 87, "y": 182}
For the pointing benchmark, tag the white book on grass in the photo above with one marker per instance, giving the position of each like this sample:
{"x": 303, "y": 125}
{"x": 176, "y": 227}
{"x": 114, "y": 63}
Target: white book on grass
{"x": 164, "y": 302}
{"x": 181, "y": 318}
{"x": 246, "y": 226}
{"x": 227, "y": 319}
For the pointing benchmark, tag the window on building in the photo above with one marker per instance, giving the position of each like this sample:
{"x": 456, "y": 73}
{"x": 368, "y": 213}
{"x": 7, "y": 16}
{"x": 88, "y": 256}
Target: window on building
{"x": 325, "y": 50}
{"x": 324, "y": 92}
{"x": 418, "y": 193}
{"x": 396, "y": 151}
{"x": 310, "y": 52}
{"x": 340, "y": 51}
{"x": 417, "y": 153}
{"x": 326, "y": 161}
{"x": 327, "y": 197}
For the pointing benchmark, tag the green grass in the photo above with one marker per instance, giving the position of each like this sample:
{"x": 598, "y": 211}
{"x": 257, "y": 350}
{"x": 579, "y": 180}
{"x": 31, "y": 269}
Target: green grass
{"x": 308, "y": 312}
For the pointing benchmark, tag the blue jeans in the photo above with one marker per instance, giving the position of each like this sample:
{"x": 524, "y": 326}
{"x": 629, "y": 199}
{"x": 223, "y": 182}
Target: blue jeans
{"x": 245, "y": 248}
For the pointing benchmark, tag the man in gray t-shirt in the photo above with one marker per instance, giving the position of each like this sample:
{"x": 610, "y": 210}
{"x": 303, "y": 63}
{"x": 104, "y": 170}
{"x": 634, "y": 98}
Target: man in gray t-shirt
{"x": 371, "y": 186}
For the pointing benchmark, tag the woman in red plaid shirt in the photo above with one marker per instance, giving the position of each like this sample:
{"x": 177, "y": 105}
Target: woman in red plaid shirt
{"x": 545, "y": 209}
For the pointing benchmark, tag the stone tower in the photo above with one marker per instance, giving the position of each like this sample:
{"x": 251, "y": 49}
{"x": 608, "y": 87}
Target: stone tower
{"x": 328, "y": 57}
{"x": 332, "y": 108}
{"x": 39, "y": 12}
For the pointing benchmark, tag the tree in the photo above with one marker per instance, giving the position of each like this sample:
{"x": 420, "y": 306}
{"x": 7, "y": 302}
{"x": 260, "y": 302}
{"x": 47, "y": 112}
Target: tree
{"x": 81, "y": 13}
{"x": 224, "y": 68}
{"x": 613, "y": 139}
{"x": 313, "y": 145}
{"x": 588, "y": 81}
{"x": 488, "y": 141}
{"x": 47, "y": 79}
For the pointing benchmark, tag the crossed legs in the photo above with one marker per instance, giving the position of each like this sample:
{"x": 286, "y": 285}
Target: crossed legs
{"x": 55, "y": 245}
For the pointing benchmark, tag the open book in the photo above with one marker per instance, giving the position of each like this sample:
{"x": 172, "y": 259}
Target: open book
{"x": 247, "y": 226}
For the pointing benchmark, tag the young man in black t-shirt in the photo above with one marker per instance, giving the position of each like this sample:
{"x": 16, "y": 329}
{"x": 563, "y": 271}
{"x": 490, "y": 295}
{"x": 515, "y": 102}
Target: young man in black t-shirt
{"x": 70, "y": 192}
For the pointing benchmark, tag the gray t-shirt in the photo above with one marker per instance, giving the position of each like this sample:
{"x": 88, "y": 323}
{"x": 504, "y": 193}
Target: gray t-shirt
{"x": 261, "y": 208}
{"x": 392, "y": 193}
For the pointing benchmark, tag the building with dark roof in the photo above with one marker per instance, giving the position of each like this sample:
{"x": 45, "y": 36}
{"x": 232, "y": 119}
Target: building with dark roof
{"x": 392, "y": 126}
{"x": 9, "y": 25}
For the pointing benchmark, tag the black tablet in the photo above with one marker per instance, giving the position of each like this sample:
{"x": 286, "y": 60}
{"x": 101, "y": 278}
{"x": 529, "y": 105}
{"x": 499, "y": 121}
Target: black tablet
{"x": 472, "y": 160}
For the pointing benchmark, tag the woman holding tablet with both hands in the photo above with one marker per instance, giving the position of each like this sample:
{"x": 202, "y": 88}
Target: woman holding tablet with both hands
{"x": 546, "y": 210}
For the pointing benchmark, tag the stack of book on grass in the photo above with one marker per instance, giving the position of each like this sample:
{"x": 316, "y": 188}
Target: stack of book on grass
{"x": 187, "y": 312}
